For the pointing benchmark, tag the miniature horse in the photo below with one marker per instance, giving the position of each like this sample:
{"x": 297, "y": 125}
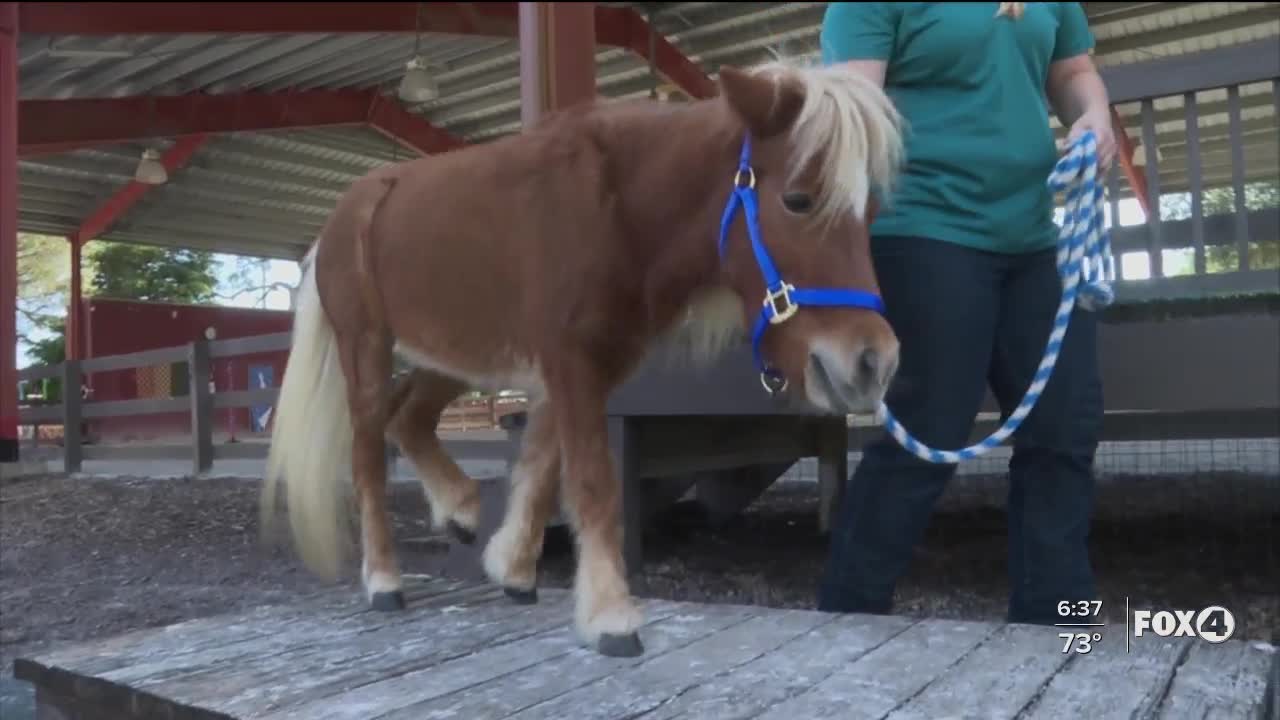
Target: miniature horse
{"x": 553, "y": 261}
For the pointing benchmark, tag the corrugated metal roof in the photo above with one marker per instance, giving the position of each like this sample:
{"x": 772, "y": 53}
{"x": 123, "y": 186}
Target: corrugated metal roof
{"x": 267, "y": 193}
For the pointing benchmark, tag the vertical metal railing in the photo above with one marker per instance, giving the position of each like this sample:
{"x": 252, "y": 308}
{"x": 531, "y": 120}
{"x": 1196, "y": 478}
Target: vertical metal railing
{"x": 1155, "y": 239}
{"x": 1214, "y": 144}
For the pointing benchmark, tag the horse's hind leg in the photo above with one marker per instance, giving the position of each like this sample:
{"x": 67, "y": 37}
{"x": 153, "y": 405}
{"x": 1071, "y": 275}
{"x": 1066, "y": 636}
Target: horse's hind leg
{"x": 511, "y": 555}
{"x": 369, "y": 361}
{"x": 453, "y": 495}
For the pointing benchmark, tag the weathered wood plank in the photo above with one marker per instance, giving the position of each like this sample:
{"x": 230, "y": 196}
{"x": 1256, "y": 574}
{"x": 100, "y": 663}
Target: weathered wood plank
{"x": 296, "y": 633}
{"x": 792, "y": 668}
{"x": 498, "y": 681}
{"x": 122, "y": 650}
{"x": 286, "y": 668}
{"x": 888, "y": 676}
{"x": 1220, "y": 681}
{"x": 657, "y": 680}
{"x": 999, "y": 678}
{"x": 190, "y": 636}
{"x": 331, "y": 670}
{"x": 1109, "y": 682}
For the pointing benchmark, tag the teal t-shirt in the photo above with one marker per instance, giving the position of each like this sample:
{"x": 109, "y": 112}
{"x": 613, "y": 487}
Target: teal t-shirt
{"x": 971, "y": 87}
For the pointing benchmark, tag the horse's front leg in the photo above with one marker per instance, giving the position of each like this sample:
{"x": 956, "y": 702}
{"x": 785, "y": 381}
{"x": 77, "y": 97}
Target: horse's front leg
{"x": 511, "y": 555}
{"x": 606, "y": 616}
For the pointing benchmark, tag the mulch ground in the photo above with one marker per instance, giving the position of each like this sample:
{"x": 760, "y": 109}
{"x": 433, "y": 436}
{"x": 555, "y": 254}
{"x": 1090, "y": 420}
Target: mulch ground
{"x": 90, "y": 558}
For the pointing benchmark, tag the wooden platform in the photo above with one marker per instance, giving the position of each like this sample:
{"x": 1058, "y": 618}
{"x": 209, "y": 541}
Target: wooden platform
{"x": 462, "y": 651}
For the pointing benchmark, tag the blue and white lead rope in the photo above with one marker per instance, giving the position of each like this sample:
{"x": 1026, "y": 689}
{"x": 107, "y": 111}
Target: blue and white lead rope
{"x": 1087, "y": 270}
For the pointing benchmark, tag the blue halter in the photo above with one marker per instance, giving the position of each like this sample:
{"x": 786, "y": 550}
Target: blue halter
{"x": 782, "y": 299}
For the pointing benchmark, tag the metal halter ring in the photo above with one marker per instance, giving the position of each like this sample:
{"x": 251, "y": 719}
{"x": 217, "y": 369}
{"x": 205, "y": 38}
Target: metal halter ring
{"x": 773, "y": 385}
{"x": 750, "y": 178}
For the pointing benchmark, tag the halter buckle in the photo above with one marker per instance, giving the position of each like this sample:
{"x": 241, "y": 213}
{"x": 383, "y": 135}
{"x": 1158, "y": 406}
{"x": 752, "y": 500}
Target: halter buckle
{"x": 770, "y": 300}
{"x": 747, "y": 174}
{"x": 773, "y": 384}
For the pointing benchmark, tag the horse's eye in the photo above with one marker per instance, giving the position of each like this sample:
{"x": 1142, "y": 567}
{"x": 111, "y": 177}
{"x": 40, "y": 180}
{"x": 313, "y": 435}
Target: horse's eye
{"x": 798, "y": 203}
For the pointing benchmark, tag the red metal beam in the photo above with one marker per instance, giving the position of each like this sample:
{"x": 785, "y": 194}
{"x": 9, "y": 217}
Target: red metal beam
{"x": 120, "y": 18}
{"x": 633, "y": 33}
{"x": 391, "y": 119}
{"x": 491, "y": 19}
{"x": 36, "y": 150}
{"x": 8, "y": 231}
{"x": 117, "y": 205}
{"x": 111, "y": 120}
{"x": 51, "y": 126}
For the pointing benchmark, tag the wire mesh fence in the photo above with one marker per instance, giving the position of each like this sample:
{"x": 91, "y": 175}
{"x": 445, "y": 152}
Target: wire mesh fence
{"x": 1177, "y": 524}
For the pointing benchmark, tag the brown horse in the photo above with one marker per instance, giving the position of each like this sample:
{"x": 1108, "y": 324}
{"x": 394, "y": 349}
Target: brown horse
{"x": 554, "y": 261}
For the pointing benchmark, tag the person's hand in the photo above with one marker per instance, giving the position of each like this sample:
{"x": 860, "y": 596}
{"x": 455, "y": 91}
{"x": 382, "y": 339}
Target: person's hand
{"x": 1099, "y": 122}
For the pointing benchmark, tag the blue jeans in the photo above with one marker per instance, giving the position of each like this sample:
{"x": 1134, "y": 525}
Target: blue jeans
{"x": 969, "y": 319}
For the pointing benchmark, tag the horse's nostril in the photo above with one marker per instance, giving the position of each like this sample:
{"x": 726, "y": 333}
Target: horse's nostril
{"x": 869, "y": 364}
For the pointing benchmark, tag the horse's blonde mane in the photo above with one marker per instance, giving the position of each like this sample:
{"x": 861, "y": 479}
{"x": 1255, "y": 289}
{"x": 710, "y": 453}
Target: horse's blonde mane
{"x": 850, "y": 127}
{"x": 1012, "y": 9}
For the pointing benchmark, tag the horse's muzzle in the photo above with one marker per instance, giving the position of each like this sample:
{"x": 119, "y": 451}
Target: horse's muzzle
{"x": 851, "y": 382}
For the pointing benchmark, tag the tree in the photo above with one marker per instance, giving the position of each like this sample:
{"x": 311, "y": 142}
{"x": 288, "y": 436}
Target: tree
{"x": 142, "y": 272}
{"x": 43, "y": 271}
{"x": 250, "y": 277}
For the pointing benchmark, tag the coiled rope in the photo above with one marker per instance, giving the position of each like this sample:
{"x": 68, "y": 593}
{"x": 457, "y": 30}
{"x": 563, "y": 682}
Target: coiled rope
{"x": 1087, "y": 270}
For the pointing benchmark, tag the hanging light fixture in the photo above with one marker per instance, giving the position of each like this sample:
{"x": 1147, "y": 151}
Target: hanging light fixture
{"x": 150, "y": 171}
{"x": 418, "y": 85}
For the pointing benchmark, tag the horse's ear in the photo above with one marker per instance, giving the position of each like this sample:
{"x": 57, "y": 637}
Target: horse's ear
{"x": 767, "y": 103}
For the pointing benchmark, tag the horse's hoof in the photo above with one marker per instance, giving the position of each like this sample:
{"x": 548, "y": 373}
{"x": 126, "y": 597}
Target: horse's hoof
{"x": 388, "y": 601}
{"x": 620, "y": 645}
{"x": 461, "y": 534}
{"x": 522, "y": 597}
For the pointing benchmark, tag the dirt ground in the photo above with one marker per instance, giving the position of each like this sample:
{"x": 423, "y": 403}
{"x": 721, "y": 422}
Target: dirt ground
{"x": 87, "y": 558}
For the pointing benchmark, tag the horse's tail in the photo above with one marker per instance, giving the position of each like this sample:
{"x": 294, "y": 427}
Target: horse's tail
{"x": 311, "y": 438}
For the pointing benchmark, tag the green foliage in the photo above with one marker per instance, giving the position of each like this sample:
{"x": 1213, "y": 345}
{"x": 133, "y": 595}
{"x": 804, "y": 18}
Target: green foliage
{"x": 50, "y": 350}
{"x": 141, "y": 272}
{"x": 1264, "y": 253}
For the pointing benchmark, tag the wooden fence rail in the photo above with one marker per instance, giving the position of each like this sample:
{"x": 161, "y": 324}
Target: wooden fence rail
{"x": 202, "y": 402}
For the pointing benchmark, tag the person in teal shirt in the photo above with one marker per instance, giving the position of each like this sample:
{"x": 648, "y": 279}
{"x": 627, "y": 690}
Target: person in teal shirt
{"x": 965, "y": 254}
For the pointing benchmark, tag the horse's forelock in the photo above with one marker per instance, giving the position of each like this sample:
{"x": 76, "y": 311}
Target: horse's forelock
{"x": 849, "y": 130}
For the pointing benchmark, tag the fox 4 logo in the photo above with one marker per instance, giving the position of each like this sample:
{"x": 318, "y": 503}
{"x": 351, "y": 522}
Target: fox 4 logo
{"x": 1214, "y": 624}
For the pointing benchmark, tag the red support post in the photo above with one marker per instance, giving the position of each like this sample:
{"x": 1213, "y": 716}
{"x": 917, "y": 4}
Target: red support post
{"x": 557, "y": 56}
{"x": 74, "y": 337}
{"x": 8, "y": 231}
